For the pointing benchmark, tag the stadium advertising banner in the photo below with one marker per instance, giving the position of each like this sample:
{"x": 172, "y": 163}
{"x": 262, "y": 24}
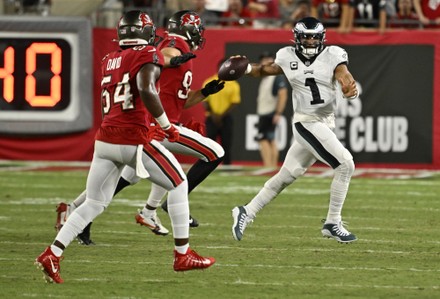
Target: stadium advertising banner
{"x": 391, "y": 122}
{"x": 395, "y": 123}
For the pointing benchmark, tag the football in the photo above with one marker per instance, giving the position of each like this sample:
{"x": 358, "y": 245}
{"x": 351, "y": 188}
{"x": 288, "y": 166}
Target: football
{"x": 233, "y": 68}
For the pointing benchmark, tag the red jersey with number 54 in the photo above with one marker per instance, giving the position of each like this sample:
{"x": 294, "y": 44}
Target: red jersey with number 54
{"x": 175, "y": 82}
{"x": 125, "y": 117}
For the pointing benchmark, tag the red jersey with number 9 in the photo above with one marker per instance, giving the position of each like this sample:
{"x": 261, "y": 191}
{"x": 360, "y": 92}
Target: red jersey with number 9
{"x": 125, "y": 117}
{"x": 175, "y": 82}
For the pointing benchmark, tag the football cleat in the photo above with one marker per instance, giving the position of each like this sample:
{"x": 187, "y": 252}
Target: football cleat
{"x": 191, "y": 261}
{"x": 241, "y": 221}
{"x": 338, "y": 232}
{"x": 63, "y": 211}
{"x": 153, "y": 223}
{"x": 192, "y": 221}
{"x": 50, "y": 265}
{"x": 84, "y": 237}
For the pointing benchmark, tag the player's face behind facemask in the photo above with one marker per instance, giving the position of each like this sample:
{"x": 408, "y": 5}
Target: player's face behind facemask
{"x": 309, "y": 34}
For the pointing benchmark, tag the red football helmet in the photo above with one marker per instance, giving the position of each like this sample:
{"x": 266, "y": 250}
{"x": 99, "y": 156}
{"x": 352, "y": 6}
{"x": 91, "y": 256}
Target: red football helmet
{"x": 136, "y": 28}
{"x": 189, "y": 25}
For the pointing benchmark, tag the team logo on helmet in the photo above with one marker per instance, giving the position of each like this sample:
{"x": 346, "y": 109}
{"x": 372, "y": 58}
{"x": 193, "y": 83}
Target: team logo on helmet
{"x": 136, "y": 28}
{"x": 188, "y": 25}
{"x": 309, "y": 36}
{"x": 146, "y": 20}
{"x": 190, "y": 19}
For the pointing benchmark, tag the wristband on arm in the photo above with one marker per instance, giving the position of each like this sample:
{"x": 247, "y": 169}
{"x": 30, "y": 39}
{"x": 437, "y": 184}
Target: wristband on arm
{"x": 163, "y": 121}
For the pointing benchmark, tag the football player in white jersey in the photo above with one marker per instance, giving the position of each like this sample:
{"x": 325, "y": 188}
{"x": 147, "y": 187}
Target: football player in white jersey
{"x": 315, "y": 72}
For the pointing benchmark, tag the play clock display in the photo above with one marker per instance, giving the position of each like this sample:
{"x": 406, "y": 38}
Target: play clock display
{"x": 35, "y": 74}
{"x": 45, "y": 75}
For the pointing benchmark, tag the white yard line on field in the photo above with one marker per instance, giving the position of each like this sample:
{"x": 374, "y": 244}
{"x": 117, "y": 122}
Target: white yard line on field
{"x": 363, "y": 286}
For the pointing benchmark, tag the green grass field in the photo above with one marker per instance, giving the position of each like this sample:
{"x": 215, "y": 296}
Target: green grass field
{"x": 282, "y": 254}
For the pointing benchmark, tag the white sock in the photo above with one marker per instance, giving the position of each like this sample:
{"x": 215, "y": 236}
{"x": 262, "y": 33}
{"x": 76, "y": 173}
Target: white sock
{"x": 56, "y": 250}
{"x": 73, "y": 226}
{"x": 338, "y": 191}
{"x": 178, "y": 211}
{"x": 259, "y": 201}
{"x": 78, "y": 220}
{"x": 156, "y": 195}
{"x": 148, "y": 213}
{"x": 182, "y": 249}
{"x": 271, "y": 189}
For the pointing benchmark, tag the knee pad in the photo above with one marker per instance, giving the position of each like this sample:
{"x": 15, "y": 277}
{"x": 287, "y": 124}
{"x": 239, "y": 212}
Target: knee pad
{"x": 91, "y": 209}
{"x": 97, "y": 205}
{"x": 297, "y": 172}
{"x": 344, "y": 171}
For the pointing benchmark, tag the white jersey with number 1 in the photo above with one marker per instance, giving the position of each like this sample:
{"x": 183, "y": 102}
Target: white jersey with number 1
{"x": 313, "y": 83}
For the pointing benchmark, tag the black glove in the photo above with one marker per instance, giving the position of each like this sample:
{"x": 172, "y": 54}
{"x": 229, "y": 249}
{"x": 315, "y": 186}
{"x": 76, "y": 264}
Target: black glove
{"x": 178, "y": 60}
{"x": 212, "y": 87}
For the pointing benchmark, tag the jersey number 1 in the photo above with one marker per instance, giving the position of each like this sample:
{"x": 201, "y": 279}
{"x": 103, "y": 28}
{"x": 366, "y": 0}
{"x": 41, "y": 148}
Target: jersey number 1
{"x": 311, "y": 83}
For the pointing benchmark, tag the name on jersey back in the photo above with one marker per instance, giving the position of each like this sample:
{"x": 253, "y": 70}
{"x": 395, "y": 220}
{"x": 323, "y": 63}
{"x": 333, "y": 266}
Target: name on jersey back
{"x": 114, "y": 63}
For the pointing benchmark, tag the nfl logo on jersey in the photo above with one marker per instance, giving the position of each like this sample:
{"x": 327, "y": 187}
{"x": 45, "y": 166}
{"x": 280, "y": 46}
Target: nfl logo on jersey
{"x": 294, "y": 65}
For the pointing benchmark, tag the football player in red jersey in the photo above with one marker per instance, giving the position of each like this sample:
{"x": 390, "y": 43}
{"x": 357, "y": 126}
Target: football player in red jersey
{"x": 185, "y": 35}
{"x": 125, "y": 138}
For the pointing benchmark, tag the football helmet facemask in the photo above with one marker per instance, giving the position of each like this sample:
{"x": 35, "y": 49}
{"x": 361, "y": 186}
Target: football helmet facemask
{"x": 188, "y": 25}
{"x": 309, "y": 34}
{"x": 136, "y": 28}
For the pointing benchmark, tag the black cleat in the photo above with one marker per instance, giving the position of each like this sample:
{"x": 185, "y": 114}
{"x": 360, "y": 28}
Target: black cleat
{"x": 193, "y": 222}
{"x": 84, "y": 237}
{"x": 338, "y": 232}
